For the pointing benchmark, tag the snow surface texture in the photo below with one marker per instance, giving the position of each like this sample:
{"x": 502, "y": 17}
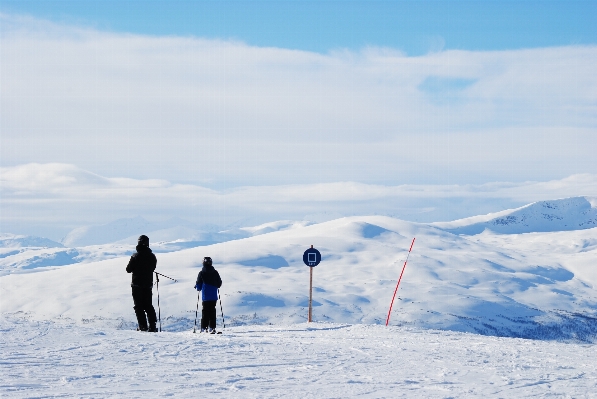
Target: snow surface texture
{"x": 317, "y": 360}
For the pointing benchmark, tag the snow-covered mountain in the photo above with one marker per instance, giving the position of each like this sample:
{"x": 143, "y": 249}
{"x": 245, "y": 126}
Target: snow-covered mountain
{"x": 22, "y": 241}
{"x": 490, "y": 284}
{"x": 461, "y": 275}
{"x": 558, "y": 215}
{"x": 265, "y": 228}
{"x": 29, "y": 254}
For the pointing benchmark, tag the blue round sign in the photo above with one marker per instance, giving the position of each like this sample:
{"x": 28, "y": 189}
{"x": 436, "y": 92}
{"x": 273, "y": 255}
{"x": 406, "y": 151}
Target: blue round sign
{"x": 311, "y": 257}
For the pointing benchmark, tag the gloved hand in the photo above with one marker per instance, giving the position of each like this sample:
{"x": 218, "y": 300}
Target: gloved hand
{"x": 197, "y": 287}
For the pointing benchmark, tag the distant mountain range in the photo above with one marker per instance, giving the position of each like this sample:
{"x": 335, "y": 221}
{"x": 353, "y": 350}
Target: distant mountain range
{"x": 566, "y": 214}
{"x": 544, "y": 216}
{"x": 21, "y": 241}
{"x": 537, "y": 285}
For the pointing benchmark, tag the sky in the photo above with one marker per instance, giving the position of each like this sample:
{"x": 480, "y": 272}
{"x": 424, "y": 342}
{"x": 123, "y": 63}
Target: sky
{"x": 413, "y": 27}
{"x": 224, "y": 97}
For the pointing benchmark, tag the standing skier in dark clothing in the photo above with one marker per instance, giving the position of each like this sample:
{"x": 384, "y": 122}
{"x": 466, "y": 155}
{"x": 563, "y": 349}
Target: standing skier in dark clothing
{"x": 142, "y": 265}
{"x": 208, "y": 281}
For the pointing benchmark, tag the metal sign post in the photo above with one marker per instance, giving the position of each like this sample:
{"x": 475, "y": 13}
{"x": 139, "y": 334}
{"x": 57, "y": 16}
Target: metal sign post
{"x": 310, "y": 294}
{"x": 311, "y": 258}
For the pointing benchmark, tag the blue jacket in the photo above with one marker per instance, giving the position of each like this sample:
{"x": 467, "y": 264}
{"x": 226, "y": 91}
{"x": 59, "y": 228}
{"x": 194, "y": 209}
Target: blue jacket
{"x": 208, "y": 282}
{"x": 208, "y": 292}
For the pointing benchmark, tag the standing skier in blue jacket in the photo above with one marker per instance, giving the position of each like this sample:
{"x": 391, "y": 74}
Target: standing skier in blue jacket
{"x": 208, "y": 282}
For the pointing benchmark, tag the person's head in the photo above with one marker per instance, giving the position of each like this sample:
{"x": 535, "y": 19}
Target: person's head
{"x": 143, "y": 240}
{"x": 207, "y": 261}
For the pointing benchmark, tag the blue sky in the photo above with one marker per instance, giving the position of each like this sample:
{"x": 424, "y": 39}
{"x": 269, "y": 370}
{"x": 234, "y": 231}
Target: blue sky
{"x": 415, "y": 27}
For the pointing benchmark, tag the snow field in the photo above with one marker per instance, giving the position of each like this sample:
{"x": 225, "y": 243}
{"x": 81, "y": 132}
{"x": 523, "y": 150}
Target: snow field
{"x": 535, "y": 285}
{"x": 67, "y": 330}
{"x": 317, "y": 360}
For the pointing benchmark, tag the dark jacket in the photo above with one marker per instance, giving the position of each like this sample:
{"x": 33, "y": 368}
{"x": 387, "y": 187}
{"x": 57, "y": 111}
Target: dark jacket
{"x": 208, "y": 281}
{"x": 142, "y": 265}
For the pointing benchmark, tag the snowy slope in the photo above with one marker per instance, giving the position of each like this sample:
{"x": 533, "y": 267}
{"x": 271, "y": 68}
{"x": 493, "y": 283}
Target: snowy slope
{"x": 279, "y": 225}
{"x": 68, "y": 330}
{"x": 23, "y": 254}
{"x": 64, "y": 360}
{"x": 477, "y": 284}
{"x": 559, "y": 215}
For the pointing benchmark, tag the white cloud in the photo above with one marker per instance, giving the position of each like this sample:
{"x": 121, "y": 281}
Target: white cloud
{"x": 223, "y": 113}
{"x": 62, "y": 197}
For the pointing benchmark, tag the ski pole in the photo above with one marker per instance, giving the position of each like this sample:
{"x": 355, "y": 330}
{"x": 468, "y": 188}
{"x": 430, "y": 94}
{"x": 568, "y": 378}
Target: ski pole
{"x": 163, "y": 275}
{"x": 158, "y": 289}
{"x": 196, "y": 313}
{"x": 221, "y": 310}
{"x": 400, "y": 278}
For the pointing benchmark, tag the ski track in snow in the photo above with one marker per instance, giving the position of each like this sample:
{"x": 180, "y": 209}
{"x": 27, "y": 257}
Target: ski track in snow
{"x": 59, "y": 359}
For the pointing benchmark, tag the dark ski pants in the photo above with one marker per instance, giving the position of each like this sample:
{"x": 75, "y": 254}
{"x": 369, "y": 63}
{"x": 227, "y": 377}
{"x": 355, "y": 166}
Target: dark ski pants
{"x": 143, "y": 305}
{"x": 208, "y": 315}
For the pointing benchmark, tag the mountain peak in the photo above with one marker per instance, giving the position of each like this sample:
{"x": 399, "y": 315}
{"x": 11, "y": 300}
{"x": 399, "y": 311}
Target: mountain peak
{"x": 576, "y": 213}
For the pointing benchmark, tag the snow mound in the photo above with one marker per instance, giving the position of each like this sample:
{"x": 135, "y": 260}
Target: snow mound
{"x": 544, "y": 216}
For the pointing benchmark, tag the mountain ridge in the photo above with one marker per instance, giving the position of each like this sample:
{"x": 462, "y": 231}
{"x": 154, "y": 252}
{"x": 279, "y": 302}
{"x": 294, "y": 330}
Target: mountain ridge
{"x": 565, "y": 214}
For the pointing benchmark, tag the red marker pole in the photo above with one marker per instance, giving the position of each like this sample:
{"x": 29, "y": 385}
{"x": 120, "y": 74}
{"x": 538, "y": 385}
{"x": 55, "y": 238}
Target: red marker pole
{"x": 396, "y": 290}
{"x": 310, "y": 292}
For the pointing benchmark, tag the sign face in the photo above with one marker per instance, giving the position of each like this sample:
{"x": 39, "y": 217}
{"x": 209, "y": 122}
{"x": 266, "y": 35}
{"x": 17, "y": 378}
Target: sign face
{"x": 311, "y": 257}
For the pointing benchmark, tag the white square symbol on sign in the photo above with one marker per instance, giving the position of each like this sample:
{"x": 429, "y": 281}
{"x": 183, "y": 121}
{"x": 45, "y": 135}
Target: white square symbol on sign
{"x": 311, "y": 258}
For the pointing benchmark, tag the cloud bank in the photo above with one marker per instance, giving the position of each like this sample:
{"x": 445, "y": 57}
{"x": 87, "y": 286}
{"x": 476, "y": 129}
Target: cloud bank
{"x": 223, "y": 114}
{"x": 51, "y": 199}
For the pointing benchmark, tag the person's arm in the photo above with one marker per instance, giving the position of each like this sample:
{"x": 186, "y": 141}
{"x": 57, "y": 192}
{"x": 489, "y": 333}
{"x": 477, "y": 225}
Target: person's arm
{"x": 199, "y": 283}
{"x": 219, "y": 280}
{"x": 132, "y": 263}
